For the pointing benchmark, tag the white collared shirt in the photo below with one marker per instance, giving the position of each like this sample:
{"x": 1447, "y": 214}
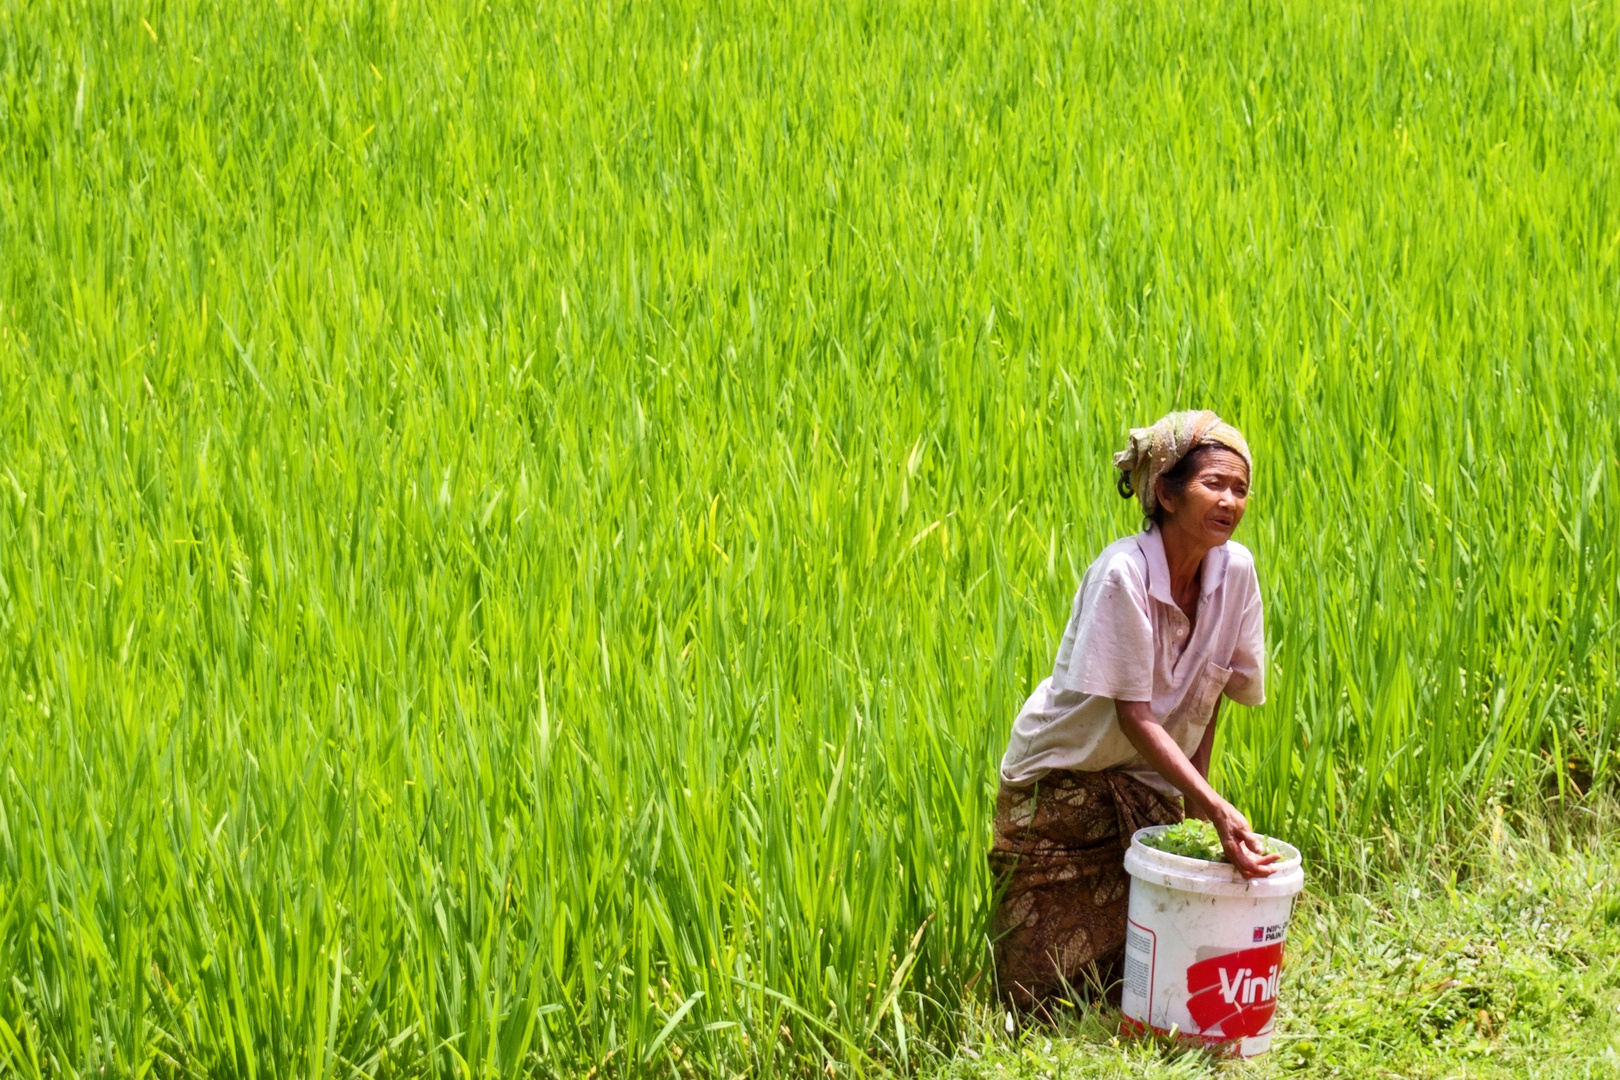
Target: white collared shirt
{"x": 1128, "y": 641}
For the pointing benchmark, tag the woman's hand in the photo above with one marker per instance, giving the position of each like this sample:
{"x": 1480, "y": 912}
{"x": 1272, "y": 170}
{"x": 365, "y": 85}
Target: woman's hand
{"x": 1244, "y": 848}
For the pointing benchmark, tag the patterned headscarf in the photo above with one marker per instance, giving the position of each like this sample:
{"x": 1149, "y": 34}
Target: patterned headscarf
{"x": 1154, "y": 451}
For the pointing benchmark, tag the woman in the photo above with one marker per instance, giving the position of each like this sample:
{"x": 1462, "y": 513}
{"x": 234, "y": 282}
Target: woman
{"x": 1164, "y": 623}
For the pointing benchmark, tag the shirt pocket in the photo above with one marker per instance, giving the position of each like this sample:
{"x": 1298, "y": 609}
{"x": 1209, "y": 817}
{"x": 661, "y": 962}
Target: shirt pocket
{"x": 1205, "y": 691}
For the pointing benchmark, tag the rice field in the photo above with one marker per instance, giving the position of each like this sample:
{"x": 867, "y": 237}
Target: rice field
{"x": 523, "y": 528}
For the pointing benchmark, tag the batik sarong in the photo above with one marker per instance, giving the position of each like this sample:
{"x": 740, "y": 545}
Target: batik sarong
{"x": 1058, "y": 860}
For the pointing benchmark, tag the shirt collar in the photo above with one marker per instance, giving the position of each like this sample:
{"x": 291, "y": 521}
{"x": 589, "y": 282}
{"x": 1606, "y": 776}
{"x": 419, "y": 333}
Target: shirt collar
{"x": 1152, "y": 545}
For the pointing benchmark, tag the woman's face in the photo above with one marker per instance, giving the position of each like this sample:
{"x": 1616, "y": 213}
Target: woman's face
{"x": 1212, "y": 504}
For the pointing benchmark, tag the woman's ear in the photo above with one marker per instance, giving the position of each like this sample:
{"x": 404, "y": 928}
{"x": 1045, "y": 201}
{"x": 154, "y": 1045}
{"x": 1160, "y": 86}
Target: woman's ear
{"x": 1160, "y": 497}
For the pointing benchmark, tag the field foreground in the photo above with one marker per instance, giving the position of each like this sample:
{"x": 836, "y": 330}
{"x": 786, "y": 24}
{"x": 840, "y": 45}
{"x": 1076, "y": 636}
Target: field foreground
{"x": 1499, "y": 960}
{"x": 523, "y": 527}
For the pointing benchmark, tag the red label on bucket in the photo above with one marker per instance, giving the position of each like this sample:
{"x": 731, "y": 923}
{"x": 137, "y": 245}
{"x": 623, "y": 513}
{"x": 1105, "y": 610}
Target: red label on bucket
{"x": 1235, "y": 992}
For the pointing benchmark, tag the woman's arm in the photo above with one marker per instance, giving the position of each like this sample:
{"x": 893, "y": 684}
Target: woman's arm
{"x": 1242, "y": 846}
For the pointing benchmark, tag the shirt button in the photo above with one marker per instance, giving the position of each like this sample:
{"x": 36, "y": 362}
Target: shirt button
{"x": 1181, "y": 631}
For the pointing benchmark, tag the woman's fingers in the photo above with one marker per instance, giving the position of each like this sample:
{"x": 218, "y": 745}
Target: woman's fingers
{"x": 1248, "y": 853}
{"x": 1251, "y": 865}
{"x": 1245, "y": 849}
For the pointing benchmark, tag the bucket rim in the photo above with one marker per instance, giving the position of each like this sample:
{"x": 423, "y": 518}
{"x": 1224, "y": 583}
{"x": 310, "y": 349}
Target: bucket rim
{"x": 1200, "y": 875}
{"x": 1291, "y": 856}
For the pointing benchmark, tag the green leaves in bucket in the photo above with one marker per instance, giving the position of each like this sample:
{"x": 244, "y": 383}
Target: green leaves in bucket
{"x": 1195, "y": 839}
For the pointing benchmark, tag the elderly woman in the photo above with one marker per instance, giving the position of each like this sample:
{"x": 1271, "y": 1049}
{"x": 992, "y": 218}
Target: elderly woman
{"x": 1164, "y": 623}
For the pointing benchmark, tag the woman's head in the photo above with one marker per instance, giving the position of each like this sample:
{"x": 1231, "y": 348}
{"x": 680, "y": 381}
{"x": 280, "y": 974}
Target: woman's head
{"x": 1188, "y": 463}
{"x": 1204, "y": 496}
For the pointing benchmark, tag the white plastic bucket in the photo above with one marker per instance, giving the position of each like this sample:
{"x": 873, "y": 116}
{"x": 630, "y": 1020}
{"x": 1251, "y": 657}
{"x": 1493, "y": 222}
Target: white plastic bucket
{"x": 1204, "y": 945}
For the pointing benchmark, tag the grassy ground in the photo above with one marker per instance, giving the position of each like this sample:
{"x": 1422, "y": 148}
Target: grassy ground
{"x": 524, "y": 526}
{"x": 1501, "y": 961}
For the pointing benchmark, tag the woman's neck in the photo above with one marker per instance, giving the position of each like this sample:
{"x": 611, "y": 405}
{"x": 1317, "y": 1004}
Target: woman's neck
{"x": 1185, "y": 558}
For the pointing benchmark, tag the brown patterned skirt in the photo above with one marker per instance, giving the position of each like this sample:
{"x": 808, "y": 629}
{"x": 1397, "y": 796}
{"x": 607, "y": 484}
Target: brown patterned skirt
{"x": 1058, "y": 861}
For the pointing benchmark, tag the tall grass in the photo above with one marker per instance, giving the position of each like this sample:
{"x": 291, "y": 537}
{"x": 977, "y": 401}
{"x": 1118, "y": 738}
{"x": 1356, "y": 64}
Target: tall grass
{"x": 523, "y": 528}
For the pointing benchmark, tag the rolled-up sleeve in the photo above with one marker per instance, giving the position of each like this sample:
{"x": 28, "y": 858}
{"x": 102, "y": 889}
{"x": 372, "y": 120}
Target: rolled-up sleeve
{"x": 1112, "y": 654}
{"x": 1247, "y": 685}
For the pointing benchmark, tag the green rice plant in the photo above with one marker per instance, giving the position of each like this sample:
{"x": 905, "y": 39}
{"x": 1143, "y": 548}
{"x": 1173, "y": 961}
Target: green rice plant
{"x": 523, "y": 528}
